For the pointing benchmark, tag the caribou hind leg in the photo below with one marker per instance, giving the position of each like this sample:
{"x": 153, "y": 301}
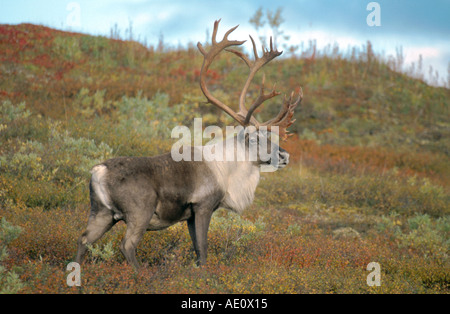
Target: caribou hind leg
{"x": 139, "y": 212}
{"x": 98, "y": 224}
{"x": 102, "y": 216}
{"x": 134, "y": 234}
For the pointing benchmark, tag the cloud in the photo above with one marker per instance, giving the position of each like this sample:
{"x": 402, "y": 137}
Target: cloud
{"x": 143, "y": 19}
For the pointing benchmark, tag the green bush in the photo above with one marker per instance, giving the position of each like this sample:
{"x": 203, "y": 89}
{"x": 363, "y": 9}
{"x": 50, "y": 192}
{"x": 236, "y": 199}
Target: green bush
{"x": 67, "y": 48}
{"x": 428, "y": 235}
{"x": 62, "y": 157}
{"x": 420, "y": 232}
{"x": 88, "y": 105}
{"x": 46, "y": 171}
{"x": 10, "y": 113}
{"x": 9, "y": 280}
{"x": 105, "y": 253}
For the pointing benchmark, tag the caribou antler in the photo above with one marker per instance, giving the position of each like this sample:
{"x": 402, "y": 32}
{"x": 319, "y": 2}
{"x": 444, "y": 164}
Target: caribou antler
{"x": 284, "y": 118}
{"x": 244, "y": 115}
{"x": 208, "y": 58}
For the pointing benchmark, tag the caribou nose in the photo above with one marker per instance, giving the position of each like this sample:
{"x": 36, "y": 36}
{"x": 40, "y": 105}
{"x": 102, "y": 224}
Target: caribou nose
{"x": 283, "y": 157}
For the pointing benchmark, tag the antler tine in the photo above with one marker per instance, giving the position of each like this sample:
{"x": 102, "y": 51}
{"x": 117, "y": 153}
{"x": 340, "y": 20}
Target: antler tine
{"x": 255, "y": 52}
{"x": 225, "y": 37}
{"x": 216, "y": 27}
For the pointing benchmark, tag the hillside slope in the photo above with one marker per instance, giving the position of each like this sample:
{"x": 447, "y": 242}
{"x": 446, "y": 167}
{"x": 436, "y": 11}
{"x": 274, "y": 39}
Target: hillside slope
{"x": 368, "y": 181}
{"x": 356, "y": 100}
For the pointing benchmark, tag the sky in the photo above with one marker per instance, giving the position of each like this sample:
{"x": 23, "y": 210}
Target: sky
{"x": 420, "y": 28}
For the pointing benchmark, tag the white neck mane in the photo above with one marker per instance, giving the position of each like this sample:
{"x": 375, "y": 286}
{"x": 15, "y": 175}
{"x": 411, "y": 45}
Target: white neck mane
{"x": 238, "y": 179}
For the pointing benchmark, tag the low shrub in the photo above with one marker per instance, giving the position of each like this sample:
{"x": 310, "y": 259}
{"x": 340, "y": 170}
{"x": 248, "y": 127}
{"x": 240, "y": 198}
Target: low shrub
{"x": 9, "y": 280}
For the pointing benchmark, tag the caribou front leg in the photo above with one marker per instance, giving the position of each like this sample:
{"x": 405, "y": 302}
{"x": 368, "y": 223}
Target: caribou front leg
{"x": 202, "y": 220}
{"x": 198, "y": 229}
{"x": 191, "y": 227}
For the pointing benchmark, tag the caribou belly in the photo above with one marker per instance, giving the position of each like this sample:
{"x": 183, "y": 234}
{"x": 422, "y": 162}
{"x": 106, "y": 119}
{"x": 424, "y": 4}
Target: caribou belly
{"x": 157, "y": 224}
{"x": 165, "y": 215}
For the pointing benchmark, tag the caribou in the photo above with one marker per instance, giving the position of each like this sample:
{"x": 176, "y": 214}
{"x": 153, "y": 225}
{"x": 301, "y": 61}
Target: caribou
{"x": 153, "y": 193}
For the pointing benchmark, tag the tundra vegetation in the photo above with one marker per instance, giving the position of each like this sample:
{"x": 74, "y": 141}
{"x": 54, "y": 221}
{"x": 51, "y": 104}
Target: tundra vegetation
{"x": 368, "y": 179}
